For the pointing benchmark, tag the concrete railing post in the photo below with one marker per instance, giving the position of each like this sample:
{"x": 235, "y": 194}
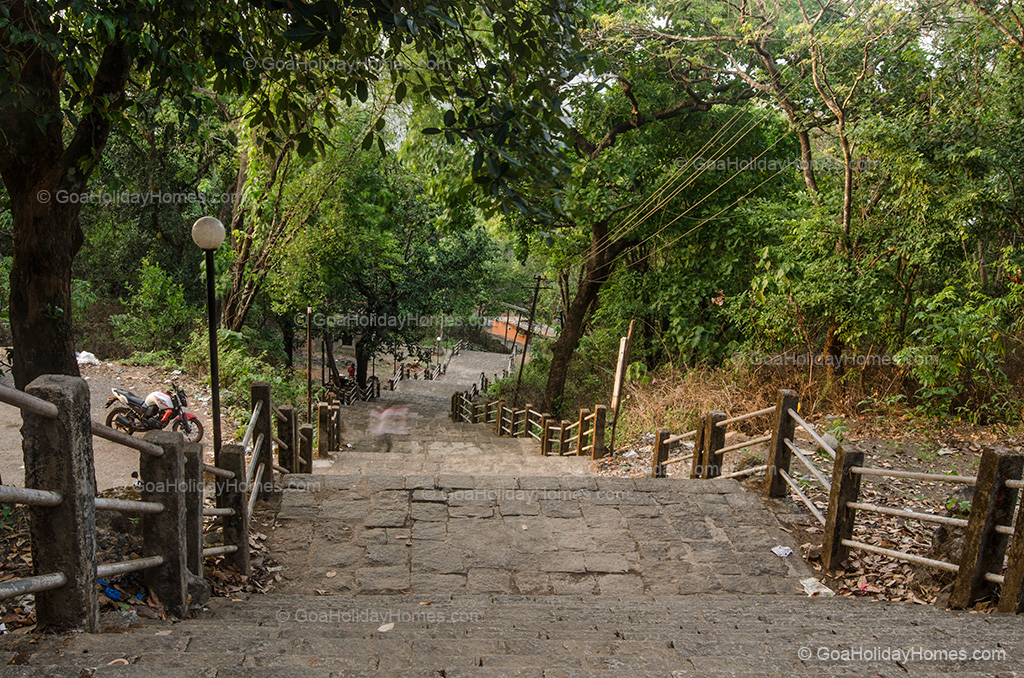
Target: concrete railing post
{"x": 1011, "y": 596}
{"x": 260, "y": 392}
{"x": 58, "y": 457}
{"x": 193, "y": 486}
{"x": 779, "y": 455}
{"x": 563, "y": 438}
{"x": 336, "y": 427}
{"x": 991, "y": 505}
{"x": 323, "y": 430}
{"x": 306, "y": 448}
{"x": 163, "y": 534}
{"x": 600, "y": 421}
{"x": 231, "y": 493}
{"x": 660, "y": 453}
{"x": 839, "y": 521}
{"x": 288, "y": 433}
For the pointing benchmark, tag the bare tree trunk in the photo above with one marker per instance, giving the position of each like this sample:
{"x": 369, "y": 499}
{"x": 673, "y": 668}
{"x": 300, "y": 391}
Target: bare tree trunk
{"x": 600, "y": 262}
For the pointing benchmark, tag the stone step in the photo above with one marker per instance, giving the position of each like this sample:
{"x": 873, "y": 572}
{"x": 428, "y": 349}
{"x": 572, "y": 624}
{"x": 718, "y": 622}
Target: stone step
{"x": 704, "y": 635}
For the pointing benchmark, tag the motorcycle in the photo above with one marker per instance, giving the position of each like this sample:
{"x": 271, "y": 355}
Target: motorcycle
{"x": 130, "y": 413}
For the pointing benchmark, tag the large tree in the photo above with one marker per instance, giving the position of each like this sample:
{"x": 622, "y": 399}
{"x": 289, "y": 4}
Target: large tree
{"x": 76, "y": 68}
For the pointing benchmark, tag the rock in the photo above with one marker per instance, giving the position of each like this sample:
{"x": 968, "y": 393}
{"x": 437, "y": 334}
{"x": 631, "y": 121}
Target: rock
{"x": 198, "y": 590}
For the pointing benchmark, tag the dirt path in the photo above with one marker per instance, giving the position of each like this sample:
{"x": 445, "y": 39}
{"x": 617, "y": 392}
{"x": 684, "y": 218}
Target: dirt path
{"x": 114, "y": 463}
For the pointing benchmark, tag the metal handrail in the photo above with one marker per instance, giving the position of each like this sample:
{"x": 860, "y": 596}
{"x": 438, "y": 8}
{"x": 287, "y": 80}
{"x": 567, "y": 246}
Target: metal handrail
{"x": 102, "y": 431}
{"x": 128, "y": 506}
{"x": 744, "y": 417}
{"x": 803, "y": 497}
{"x": 29, "y": 403}
{"x": 42, "y": 582}
{"x": 677, "y": 460}
{"x": 914, "y": 475}
{"x": 900, "y": 555}
{"x": 10, "y": 494}
{"x": 745, "y": 472}
{"x": 901, "y": 513}
{"x": 219, "y": 472}
{"x": 573, "y": 425}
{"x": 814, "y": 434}
{"x": 253, "y": 459}
{"x": 807, "y": 462}
{"x": 253, "y": 491}
{"x": 681, "y": 436}
{"x": 218, "y": 512}
{"x": 737, "y": 446}
{"x": 252, "y": 423}
{"x": 126, "y": 566}
{"x": 1015, "y": 484}
{"x": 218, "y": 550}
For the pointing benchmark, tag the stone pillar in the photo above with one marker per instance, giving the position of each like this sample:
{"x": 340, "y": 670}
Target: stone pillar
{"x": 163, "y": 534}
{"x": 193, "y": 487}
{"x": 58, "y": 457}
{"x": 323, "y": 430}
{"x": 306, "y": 448}
{"x": 231, "y": 493}
{"x": 261, "y": 392}
{"x": 660, "y": 453}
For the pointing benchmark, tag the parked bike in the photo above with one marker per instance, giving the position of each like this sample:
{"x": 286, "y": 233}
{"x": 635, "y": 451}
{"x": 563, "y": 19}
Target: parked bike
{"x": 130, "y": 413}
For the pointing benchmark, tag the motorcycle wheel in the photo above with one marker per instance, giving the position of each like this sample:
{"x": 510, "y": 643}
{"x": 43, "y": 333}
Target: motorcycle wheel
{"x": 128, "y": 414}
{"x": 192, "y": 429}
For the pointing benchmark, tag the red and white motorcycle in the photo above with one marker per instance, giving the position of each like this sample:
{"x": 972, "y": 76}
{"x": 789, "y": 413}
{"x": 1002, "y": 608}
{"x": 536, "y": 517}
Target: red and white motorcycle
{"x": 130, "y": 413}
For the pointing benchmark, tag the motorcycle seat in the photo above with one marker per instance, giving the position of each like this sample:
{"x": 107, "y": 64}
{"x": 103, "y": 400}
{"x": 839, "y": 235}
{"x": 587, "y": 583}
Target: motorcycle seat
{"x": 130, "y": 397}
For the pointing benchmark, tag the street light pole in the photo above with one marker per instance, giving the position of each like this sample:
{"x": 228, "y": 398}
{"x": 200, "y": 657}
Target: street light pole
{"x": 208, "y": 234}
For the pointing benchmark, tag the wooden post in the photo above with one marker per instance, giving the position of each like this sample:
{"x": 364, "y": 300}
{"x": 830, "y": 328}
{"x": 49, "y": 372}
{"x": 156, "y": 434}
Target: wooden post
{"x": 582, "y": 439}
{"x": 193, "y": 487}
{"x": 697, "y": 463}
{"x": 231, "y": 493}
{"x": 288, "y": 432}
{"x": 839, "y": 521}
{"x": 563, "y": 439}
{"x": 992, "y": 505}
{"x": 472, "y": 413}
{"x": 260, "y": 392}
{"x": 660, "y": 453}
{"x": 1011, "y": 596}
{"x": 58, "y": 458}
{"x": 545, "y": 427}
{"x": 306, "y": 448}
{"x": 163, "y": 534}
{"x": 783, "y": 427}
{"x": 600, "y": 420}
{"x": 527, "y": 420}
{"x": 323, "y": 430}
{"x": 336, "y": 427}
{"x": 452, "y": 415}
{"x": 714, "y": 440}
{"x": 501, "y": 414}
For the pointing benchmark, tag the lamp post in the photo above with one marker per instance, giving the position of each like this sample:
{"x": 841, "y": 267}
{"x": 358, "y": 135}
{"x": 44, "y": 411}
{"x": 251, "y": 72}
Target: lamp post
{"x": 208, "y": 233}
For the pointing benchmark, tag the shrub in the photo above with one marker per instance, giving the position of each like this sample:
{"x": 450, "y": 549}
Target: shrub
{"x": 158, "y": 317}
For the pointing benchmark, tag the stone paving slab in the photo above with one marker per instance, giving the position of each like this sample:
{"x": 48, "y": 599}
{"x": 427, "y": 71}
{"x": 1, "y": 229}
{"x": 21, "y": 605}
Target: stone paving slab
{"x": 572, "y": 635}
{"x": 539, "y": 535}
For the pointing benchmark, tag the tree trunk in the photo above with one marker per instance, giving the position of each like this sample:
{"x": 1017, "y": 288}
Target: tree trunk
{"x": 363, "y": 358}
{"x": 287, "y": 323}
{"x": 43, "y": 175}
{"x": 45, "y": 243}
{"x": 600, "y": 262}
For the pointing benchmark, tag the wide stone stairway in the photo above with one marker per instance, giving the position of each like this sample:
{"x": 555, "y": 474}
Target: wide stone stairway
{"x": 462, "y": 554}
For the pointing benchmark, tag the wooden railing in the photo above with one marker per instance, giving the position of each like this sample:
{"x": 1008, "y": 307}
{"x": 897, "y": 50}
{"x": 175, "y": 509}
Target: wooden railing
{"x": 60, "y": 491}
{"x": 583, "y": 436}
{"x": 992, "y": 535}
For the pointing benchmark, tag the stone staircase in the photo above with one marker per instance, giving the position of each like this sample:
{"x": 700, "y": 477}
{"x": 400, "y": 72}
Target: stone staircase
{"x": 487, "y": 560}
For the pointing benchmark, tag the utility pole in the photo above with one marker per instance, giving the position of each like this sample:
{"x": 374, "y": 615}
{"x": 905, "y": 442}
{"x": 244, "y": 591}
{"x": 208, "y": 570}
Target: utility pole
{"x": 309, "y": 364}
{"x": 620, "y": 377}
{"x": 529, "y": 331}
